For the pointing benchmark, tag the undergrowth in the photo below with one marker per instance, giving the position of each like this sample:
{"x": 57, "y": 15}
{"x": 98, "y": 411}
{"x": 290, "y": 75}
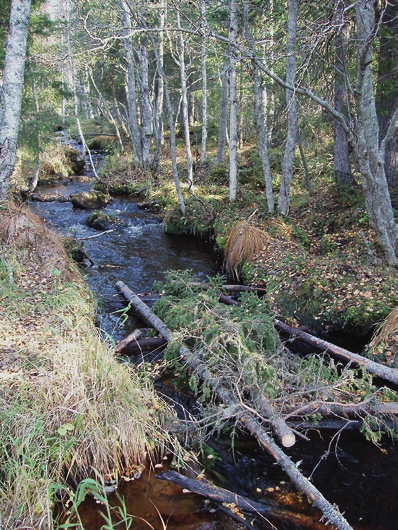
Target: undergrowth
{"x": 242, "y": 351}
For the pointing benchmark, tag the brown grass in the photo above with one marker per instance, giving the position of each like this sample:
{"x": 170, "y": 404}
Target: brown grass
{"x": 245, "y": 241}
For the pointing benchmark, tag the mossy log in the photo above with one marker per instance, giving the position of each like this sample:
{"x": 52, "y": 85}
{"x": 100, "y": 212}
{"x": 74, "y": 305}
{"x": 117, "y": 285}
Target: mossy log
{"x": 377, "y": 369}
{"x": 330, "y": 512}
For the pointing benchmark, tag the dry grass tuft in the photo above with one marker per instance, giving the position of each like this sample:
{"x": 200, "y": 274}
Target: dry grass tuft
{"x": 245, "y": 241}
{"x": 386, "y": 338}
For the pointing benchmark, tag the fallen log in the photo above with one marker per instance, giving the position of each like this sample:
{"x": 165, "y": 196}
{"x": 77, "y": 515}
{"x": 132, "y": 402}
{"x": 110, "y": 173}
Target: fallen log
{"x": 147, "y": 344}
{"x": 132, "y": 337}
{"x": 330, "y": 513}
{"x": 222, "y": 495}
{"x": 377, "y": 369}
{"x": 279, "y": 426}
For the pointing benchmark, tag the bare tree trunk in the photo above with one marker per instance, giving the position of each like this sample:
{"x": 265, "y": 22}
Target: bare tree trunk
{"x": 158, "y": 121}
{"x": 11, "y": 89}
{"x": 233, "y": 159}
{"x": 342, "y": 167}
{"x": 261, "y": 119}
{"x": 288, "y": 159}
{"x": 223, "y": 121}
{"x": 146, "y": 111}
{"x": 203, "y": 26}
{"x": 124, "y": 10}
{"x": 369, "y": 155}
{"x": 184, "y": 103}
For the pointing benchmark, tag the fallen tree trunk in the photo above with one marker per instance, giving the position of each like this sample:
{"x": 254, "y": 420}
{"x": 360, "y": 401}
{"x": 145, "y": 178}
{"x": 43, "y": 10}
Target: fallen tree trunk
{"x": 132, "y": 337}
{"x": 242, "y": 503}
{"x": 148, "y": 344}
{"x": 281, "y": 429}
{"x": 377, "y": 369}
{"x": 331, "y": 514}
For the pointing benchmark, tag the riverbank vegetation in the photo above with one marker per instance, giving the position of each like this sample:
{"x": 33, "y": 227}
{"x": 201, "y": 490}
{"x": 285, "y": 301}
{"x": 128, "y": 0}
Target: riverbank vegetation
{"x": 68, "y": 409}
{"x": 267, "y": 129}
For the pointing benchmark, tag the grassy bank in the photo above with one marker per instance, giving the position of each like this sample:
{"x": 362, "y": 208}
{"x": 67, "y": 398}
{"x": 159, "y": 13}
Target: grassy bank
{"x": 68, "y": 409}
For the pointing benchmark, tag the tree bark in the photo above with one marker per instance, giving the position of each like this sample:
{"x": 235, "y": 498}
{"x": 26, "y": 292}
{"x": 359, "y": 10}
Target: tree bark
{"x": 370, "y": 151}
{"x": 124, "y": 10}
{"x": 342, "y": 168}
{"x": 233, "y": 103}
{"x": 146, "y": 114}
{"x": 379, "y": 370}
{"x": 203, "y": 26}
{"x": 260, "y": 99}
{"x": 184, "y": 103}
{"x": 11, "y": 89}
{"x": 223, "y": 120}
{"x": 291, "y": 104}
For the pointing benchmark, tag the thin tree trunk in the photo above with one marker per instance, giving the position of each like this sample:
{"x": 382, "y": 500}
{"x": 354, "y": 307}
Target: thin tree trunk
{"x": 131, "y": 92}
{"x": 261, "y": 120}
{"x": 203, "y": 26}
{"x": 288, "y": 158}
{"x": 184, "y": 103}
{"x": 158, "y": 121}
{"x": 11, "y": 89}
{"x": 342, "y": 167}
{"x": 223, "y": 120}
{"x": 146, "y": 113}
{"x": 233, "y": 158}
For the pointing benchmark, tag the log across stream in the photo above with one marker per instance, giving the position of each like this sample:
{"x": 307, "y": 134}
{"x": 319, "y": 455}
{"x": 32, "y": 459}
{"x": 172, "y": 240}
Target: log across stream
{"x": 352, "y": 473}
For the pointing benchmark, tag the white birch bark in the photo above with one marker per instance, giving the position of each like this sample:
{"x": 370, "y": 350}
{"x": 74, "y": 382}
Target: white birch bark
{"x": 131, "y": 92}
{"x": 146, "y": 110}
{"x": 184, "y": 102}
{"x": 288, "y": 158}
{"x": 204, "y": 79}
{"x": 370, "y": 156}
{"x": 233, "y": 159}
{"x": 223, "y": 120}
{"x": 158, "y": 122}
{"x": 11, "y": 89}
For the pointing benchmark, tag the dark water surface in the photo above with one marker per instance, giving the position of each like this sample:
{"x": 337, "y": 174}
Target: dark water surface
{"x": 351, "y": 472}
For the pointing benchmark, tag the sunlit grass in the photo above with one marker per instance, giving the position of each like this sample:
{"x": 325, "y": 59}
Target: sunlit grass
{"x": 68, "y": 409}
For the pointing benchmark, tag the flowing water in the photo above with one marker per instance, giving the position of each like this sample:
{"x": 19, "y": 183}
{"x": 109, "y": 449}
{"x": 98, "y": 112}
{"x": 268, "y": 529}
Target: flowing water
{"x": 359, "y": 477}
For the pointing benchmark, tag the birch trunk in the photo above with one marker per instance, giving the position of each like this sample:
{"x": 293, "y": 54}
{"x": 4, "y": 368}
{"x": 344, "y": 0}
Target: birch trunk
{"x": 233, "y": 160}
{"x": 184, "y": 103}
{"x": 223, "y": 121}
{"x": 288, "y": 158}
{"x": 158, "y": 122}
{"x": 146, "y": 111}
{"x": 11, "y": 89}
{"x": 131, "y": 92}
{"x": 370, "y": 156}
{"x": 203, "y": 26}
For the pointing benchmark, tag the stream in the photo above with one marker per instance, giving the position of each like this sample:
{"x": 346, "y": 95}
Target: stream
{"x": 350, "y": 472}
